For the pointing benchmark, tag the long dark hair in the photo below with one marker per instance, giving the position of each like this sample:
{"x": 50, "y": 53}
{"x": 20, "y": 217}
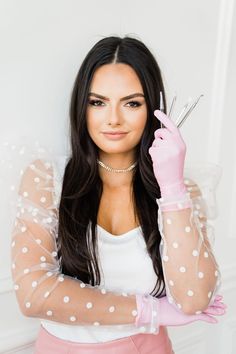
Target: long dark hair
{"x": 82, "y": 186}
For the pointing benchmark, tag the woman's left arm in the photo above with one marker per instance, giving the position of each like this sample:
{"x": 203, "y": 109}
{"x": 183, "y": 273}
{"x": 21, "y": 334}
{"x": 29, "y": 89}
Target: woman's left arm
{"x": 192, "y": 275}
{"x": 191, "y": 272}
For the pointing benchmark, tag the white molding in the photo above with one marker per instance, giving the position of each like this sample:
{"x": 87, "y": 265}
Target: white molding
{"x": 6, "y": 284}
{"x": 228, "y": 342}
{"x": 232, "y": 208}
{"x": 189, "y": 344}
{"x": 226, "y": 10}
{"x": 228, "y": 273}
{"x": 23, "y": 349}
{"x": 18, "y": 339}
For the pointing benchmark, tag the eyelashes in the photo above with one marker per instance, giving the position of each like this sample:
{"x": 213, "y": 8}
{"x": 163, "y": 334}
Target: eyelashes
{"x": 94, "y": 103}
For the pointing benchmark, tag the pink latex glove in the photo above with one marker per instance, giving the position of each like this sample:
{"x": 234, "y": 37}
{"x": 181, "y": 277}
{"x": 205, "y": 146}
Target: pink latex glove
{"x": 168, "y": 152}
{"x": 159, "y": 312}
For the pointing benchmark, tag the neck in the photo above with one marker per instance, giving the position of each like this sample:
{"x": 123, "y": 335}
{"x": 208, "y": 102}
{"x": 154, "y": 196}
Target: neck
{"x": 116, "y": 180}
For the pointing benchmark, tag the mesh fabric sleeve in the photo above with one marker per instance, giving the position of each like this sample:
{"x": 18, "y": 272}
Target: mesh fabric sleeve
{"x": 41, "y": 289}
{"x": 191, "y": 273}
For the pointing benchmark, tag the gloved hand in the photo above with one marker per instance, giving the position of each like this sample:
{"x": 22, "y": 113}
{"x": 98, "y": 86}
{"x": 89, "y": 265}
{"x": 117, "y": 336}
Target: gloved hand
{"x": 168, "y": 152}
{"x": 159, "y": 312}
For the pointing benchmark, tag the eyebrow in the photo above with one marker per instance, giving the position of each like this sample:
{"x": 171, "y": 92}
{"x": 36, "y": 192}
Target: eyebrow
{"x": 122, "y": 99}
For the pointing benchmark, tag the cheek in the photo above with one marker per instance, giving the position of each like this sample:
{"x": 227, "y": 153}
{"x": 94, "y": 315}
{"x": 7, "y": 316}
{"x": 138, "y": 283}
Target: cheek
{"x": 94, "y": 127}
{"x": 93, "y": 124}
{"x": 138, "y": 122}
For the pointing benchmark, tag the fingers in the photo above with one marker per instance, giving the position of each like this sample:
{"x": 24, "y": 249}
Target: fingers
{"x": 207, "y": 318}
{"x": 217, "y": 311}
{"x": 218, "y": 303}
{"x": 162, "y": 133}
{"x": 166, "y": 121}
{"x": 218, "y": 297}
{"x": 218, "y": 308}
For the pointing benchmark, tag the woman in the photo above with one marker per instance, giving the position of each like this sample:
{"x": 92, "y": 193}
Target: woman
{"x": 109, "y": 247}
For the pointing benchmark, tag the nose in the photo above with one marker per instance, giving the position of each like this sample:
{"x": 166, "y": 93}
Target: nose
{"x": 115, "y": 117}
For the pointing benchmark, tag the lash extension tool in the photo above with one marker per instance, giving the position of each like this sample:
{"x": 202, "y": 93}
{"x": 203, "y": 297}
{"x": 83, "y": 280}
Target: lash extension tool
{"x": 161, "y": 105}
{"x": 172, "y": 105}
{"x": 187, "y": 109}
{"x": 184, "y": 110}
{"x": 180, "y": 122}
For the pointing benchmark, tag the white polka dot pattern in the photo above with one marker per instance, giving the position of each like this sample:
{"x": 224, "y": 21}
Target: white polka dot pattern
{"x": 112, "y": 309}
{"x": 195, "y": 253}
{"x": 66, "y": 299}
{"x": 182, "y": 269}
{"x": 44, "y": 292}
{"x": 142, "y": 329}
{"x": 183, "y": 226}
{"x": 175, "y": 245}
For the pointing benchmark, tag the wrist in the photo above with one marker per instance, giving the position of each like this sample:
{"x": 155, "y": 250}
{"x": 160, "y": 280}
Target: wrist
{"x": 174, "y": 190}
{"x": 175, "y": 202}
{"x": 148, "y": 312}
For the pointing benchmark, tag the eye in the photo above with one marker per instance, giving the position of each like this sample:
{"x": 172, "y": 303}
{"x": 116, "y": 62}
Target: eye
{"x": 95, "y": 103}
{"x": 135, "y": 102}
{"x": 92, "y": 102}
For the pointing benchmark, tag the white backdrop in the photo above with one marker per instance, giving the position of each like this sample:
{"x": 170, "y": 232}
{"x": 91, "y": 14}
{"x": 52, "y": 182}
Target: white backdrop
{"x": 42, "y": 46}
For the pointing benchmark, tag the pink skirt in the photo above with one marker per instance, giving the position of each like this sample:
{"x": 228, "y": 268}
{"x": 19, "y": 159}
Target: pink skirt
{"x": 141, "y": 343}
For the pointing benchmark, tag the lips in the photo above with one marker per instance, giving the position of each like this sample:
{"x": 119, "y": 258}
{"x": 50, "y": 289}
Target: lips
{"x": 114, "y": 133}
{"x": 114, "y": 136}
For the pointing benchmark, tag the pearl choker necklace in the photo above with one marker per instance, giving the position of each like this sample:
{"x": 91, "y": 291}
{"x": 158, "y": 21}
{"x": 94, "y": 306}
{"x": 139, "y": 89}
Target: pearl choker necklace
{"x": 116, "y": 170}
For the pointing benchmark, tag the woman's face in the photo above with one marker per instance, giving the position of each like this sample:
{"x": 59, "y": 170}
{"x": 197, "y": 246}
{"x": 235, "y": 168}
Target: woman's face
{"x": 113, "y": 112}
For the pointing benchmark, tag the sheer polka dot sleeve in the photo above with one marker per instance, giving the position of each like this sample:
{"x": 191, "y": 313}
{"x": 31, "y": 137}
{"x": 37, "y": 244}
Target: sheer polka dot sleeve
{"x": 192, "y": 275}
{"x": 41, "y": 289}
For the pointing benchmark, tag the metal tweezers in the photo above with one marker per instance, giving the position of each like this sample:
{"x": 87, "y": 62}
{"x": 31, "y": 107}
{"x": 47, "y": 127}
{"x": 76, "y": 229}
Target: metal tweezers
{"x": 187, "y": 109}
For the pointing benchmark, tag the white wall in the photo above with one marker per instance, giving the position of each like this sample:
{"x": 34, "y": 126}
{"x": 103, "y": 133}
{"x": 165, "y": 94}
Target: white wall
{"x": 42, "y": 46}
